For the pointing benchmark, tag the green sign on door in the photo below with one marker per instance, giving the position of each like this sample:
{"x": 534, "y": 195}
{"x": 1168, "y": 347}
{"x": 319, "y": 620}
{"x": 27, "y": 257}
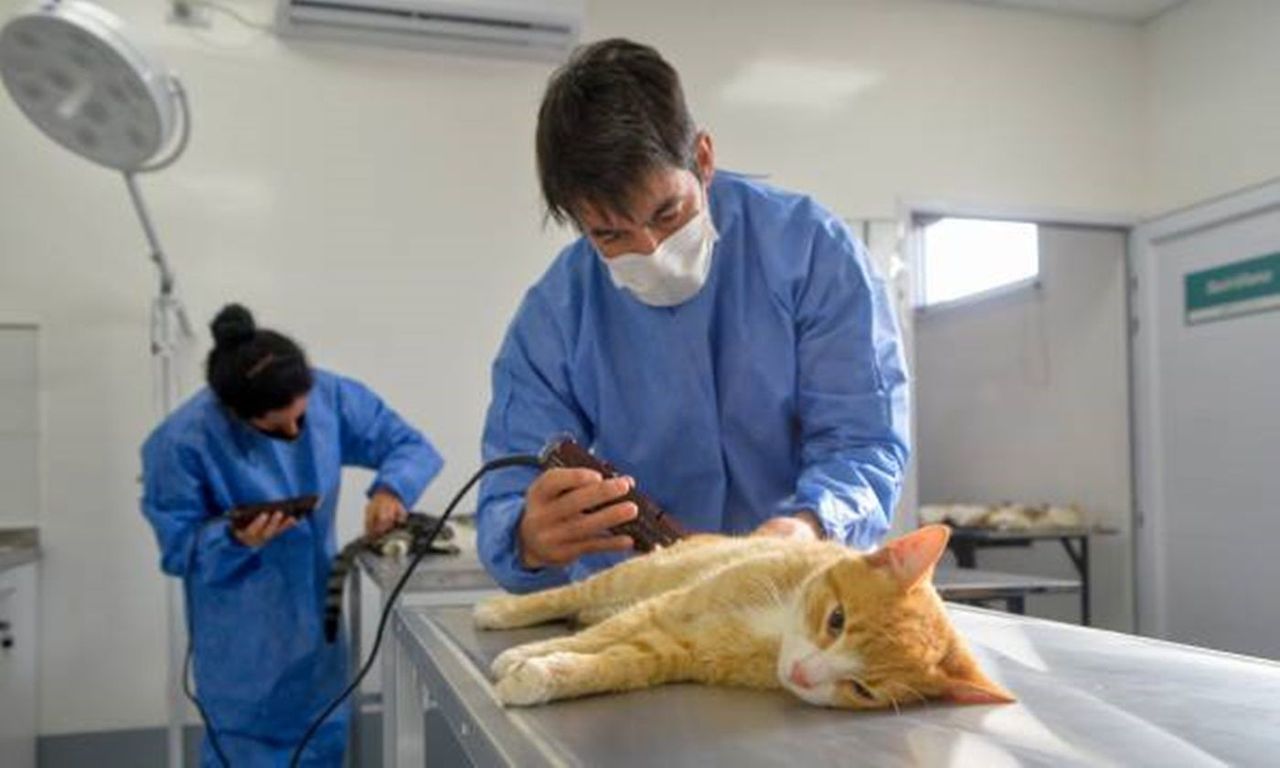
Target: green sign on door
{"x": 1236, "y": 289}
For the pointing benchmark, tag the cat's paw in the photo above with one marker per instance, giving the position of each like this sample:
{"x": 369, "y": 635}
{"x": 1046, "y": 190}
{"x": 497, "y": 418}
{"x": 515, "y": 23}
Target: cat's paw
{"x": 496, "y": 613}
{"x": 528, "y": 683}
{"x": 507, "y": 660}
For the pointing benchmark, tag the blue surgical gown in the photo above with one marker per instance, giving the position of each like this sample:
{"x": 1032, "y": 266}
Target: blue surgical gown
{"x": 780, "y": 386}
{"x": 263, "y": 670}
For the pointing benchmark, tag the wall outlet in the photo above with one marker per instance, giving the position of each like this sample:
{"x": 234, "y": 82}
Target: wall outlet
{"x": 189, "y": 14}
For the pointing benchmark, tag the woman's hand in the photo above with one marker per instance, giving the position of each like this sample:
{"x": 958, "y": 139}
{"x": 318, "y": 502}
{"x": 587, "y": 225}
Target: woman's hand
{"x": 264, "y": 528}
{"x": 383, "y": 512}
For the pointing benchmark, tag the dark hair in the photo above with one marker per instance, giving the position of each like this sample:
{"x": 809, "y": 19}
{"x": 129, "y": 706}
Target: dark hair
{"x": 254, "y": 370}
{"x": 610, "y": 115}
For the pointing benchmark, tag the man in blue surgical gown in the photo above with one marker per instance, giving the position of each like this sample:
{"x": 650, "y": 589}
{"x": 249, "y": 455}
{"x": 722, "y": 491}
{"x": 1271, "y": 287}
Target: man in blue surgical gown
{"x": 269, "y": 427}
{"x": 723, "y": 342}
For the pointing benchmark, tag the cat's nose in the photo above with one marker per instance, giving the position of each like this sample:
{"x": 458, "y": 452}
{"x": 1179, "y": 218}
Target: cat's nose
{"x": 798, "y": 676}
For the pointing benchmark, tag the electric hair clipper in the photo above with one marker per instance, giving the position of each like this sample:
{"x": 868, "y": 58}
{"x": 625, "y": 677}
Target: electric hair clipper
{"x": 651, "y": 529}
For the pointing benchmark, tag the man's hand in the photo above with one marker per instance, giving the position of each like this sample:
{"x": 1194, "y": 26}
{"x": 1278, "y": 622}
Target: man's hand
{"x": 264, "y": 528}
{"x": 803, "y": 526}
{"x": 383, "y": 512}
{"x": 554, "y": 529}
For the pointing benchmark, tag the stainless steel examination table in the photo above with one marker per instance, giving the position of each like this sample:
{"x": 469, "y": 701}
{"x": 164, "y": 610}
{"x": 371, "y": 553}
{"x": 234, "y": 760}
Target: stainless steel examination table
{"x": 1087, "y": 697}
{"x": 461, "y": 580}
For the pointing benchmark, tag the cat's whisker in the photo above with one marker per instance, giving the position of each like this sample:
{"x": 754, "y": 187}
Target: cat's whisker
{"x": 885, "y": 691}
{"x": 919, "y": 697}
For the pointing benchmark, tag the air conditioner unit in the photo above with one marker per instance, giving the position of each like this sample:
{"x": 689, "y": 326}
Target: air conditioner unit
{"x": 521, "y": 28}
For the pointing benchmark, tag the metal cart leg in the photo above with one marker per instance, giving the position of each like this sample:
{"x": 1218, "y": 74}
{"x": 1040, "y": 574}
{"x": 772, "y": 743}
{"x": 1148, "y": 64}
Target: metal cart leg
{"x": 390, "y": 700}
{"x": 1085, "y": 617}
{"x": 966, "y": 553}
{"x": 353, "y": 666}
{"x": 1080, "y": 559}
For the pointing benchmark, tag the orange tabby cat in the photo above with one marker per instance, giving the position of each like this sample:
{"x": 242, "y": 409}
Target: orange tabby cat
{"x": 834, "y": 627}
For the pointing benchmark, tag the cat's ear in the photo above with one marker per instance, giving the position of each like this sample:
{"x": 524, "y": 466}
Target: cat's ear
{"x": 966, "y": 684}
{"x": 910, "y": 559}
{"x": 979, "y": 691}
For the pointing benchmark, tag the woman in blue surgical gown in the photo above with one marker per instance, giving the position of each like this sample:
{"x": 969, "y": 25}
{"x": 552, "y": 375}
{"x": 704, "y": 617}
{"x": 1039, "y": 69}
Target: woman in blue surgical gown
{"x": 269, "y": 427}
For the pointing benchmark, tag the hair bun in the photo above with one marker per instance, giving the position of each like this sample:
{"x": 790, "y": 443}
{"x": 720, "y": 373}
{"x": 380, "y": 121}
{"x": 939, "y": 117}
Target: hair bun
{"x": 233, "y": 325}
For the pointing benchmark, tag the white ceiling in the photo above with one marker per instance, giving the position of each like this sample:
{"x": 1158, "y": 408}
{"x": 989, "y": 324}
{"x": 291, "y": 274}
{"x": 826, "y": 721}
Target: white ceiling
{"x": 1131, "y": 11}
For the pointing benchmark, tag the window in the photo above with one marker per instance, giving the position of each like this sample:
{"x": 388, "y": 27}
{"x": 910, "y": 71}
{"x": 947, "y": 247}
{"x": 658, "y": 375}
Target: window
{"x": 967, "y": 258}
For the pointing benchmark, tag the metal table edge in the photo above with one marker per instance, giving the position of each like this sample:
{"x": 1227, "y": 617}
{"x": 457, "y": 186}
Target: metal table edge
{"x": 16, "y": 558}
{"x": 978, "y": 592}
{"x": 489, "y": 733}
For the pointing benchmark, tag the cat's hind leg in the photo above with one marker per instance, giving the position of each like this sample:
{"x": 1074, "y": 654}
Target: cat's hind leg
{"x": 589, "y": 601}
{"x": 598, "y": 597}
{"x": 512, "y": 611}
{"x": 565, "y": 675}
{"x": 598, "y": 613}
{"x": 497, "y": 613}
{"x": 635, "y": 624}
{"x": 603, "y": 659}
{"x": 617, "y": 588}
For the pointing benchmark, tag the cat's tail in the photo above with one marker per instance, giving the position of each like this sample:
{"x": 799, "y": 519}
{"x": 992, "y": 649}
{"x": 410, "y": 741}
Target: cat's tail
{"x": 342, "y": 565}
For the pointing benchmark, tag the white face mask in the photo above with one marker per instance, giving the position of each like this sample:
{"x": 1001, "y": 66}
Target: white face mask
{"x": 676, "y": 270}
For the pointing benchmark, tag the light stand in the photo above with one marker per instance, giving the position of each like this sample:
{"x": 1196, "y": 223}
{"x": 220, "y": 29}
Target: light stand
{"x": 72, "y": 69}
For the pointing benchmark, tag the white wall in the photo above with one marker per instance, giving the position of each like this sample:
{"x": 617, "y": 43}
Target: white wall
{"x": 1022, "y": 398}
{"x": 945, "y": 101}
{"x": 19, "y": 424}
{"x": 1213, "y": 115}
{"x": 381, "y": 205}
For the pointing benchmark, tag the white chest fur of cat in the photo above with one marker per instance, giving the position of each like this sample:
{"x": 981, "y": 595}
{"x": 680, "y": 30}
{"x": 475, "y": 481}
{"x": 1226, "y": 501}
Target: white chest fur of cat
{"x": 833, "y": 626}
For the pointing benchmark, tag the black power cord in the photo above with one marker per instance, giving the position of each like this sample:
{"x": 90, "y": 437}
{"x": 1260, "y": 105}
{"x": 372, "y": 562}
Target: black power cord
{"x": 502, "y": 463}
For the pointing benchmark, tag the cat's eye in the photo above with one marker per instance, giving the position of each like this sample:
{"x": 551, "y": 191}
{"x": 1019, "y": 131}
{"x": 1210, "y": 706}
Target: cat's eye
{"x": 835, "y": 621}
{"x": 862, "y": 690}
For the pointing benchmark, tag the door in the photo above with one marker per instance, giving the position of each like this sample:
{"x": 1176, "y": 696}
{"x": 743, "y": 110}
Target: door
{"x": 1209, "y": 424}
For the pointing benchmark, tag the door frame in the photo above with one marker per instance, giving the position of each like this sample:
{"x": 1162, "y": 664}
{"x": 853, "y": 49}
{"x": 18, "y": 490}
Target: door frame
{"x": 910, "y": 210}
